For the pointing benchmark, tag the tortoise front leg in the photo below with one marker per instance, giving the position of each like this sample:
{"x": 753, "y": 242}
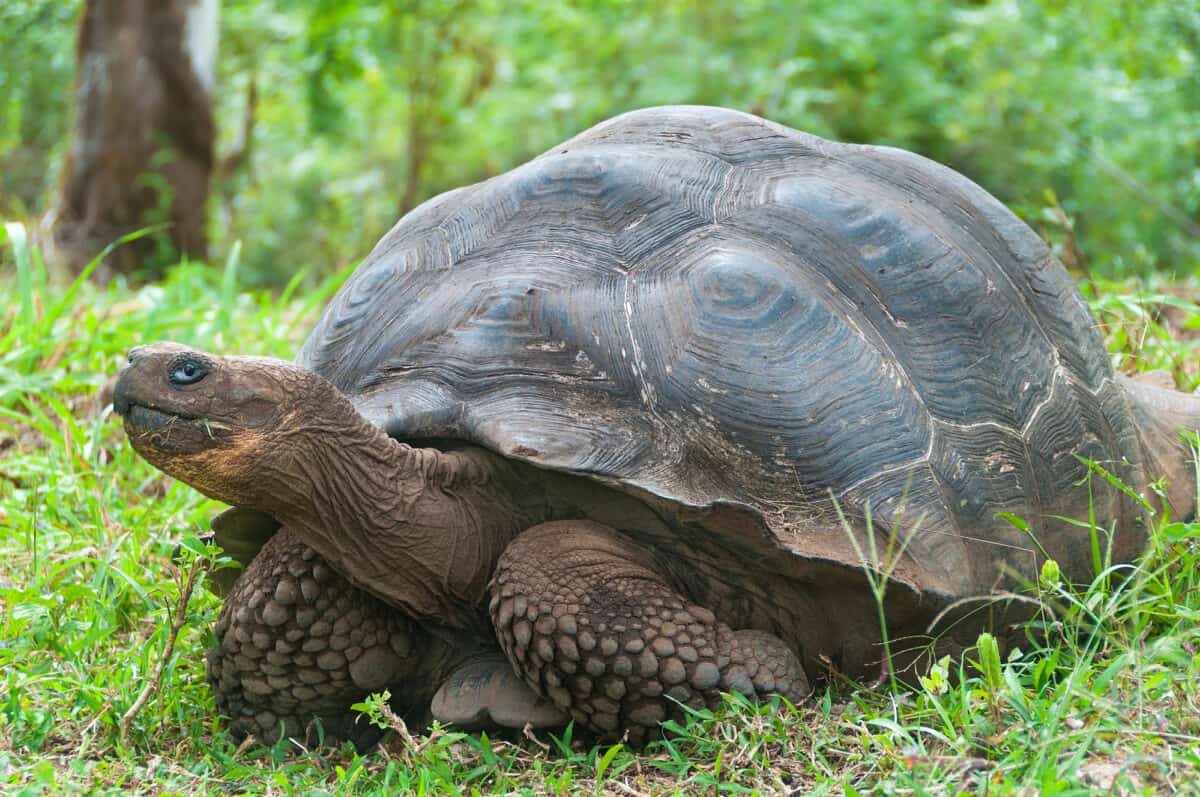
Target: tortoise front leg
{"x": 296, "y": 642}
{"x": 587, "y": 619}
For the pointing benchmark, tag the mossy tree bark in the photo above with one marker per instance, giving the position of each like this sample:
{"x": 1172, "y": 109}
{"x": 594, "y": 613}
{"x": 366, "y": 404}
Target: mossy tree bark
{"x": 142, "y": 148}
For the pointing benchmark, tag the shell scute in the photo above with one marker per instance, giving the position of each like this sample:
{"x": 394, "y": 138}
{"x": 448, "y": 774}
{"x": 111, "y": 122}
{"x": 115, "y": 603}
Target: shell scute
{"x": 718, "y": 311}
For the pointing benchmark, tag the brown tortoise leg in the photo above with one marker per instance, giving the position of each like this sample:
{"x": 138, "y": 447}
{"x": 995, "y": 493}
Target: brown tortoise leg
{"x": 587, "y": 620}
{"x": 297, "y": 642}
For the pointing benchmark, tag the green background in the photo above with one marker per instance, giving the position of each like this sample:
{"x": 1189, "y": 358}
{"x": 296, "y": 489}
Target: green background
{"x": 1084, "y": 112}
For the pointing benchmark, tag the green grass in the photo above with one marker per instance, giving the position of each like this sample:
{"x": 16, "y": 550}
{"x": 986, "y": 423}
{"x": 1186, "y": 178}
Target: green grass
{"x": 1108, "y": 697}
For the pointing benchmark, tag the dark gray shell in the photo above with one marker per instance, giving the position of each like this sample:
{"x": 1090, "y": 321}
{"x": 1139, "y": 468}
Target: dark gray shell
{"x": 711, "y": 308}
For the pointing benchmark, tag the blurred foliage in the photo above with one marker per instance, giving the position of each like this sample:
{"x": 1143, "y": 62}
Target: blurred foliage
{"x": 37, "y": 67}
{"x": 1083, "y": 116}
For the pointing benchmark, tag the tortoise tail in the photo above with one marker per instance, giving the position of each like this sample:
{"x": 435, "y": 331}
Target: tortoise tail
{"x": 1164, "y": 418}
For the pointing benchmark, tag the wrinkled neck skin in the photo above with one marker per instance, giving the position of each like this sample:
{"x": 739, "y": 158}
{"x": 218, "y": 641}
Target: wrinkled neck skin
{"x": 420, "y": 528}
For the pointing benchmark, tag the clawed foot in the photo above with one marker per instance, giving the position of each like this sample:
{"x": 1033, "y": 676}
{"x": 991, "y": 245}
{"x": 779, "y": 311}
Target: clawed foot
{"x": 587, "y": 621}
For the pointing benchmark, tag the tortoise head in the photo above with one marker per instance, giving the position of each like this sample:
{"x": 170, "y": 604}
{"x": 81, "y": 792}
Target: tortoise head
{"x": 224, "y": 425}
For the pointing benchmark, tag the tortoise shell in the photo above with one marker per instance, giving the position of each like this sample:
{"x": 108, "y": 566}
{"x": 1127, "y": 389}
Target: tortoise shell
{"x": 708, "y": 309}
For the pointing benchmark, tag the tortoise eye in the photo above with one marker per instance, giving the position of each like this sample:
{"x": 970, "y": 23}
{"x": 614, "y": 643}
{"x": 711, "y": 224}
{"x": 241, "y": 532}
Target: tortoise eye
{"x": 187, "y": 372}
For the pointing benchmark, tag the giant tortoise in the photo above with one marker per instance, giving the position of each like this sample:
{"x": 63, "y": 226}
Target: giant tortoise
{"x": 629, "y": 426}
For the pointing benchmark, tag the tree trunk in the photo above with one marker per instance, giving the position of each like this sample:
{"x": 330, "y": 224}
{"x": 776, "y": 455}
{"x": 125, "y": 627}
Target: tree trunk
{"x": 142, "y": 148}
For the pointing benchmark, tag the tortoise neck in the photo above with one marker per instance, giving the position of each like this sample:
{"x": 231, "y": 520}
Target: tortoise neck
{"x": 418, "y": 527}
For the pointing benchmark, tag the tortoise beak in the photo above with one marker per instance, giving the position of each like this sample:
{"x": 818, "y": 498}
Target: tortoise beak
{"x": 141, "y": 365}
{"x": 121, "y": 390}
{"x": 120, "y": 399}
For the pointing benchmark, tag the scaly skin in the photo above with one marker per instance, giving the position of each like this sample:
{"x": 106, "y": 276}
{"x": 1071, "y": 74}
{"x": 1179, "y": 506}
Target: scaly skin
{"x": 296, "y": 642}
{"x": 379, "y": 543}
{"x": 587, "y": 620}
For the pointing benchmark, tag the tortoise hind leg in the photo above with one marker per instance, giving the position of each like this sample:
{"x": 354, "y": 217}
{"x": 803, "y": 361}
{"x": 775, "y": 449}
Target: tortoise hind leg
{"x": 586, "y": 619}
{"x": 484, "y": 692}
{"x": 295, "y": 642}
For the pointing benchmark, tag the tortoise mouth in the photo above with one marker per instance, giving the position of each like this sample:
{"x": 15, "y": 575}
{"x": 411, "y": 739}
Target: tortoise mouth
{"x": 143, "y": 416}
{"x": 149, "y": 427}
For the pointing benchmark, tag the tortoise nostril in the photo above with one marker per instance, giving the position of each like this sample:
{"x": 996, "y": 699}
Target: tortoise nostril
{"x": 134, "y": 353}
